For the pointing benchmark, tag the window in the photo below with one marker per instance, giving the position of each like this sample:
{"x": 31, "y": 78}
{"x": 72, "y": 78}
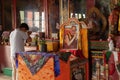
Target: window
{"x": 34, "y": 19}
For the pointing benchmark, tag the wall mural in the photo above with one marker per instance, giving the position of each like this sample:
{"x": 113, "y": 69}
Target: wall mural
{"x": 97, "y": 23}
{"x": 104, "y": 8}
{"x": 114, "y": 21}
{"x": 108, "y": 8}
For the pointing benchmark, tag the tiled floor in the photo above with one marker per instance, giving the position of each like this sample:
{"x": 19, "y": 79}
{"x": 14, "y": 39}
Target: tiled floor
{"x": 3, "y": 77}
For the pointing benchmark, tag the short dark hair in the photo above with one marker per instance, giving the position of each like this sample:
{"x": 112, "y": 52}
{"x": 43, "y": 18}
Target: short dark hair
{"x": 24, "y": 25}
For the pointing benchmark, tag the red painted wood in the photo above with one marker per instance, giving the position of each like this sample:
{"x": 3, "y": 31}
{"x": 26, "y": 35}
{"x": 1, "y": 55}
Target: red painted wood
{"x": 46, "y": 17}
{"x": 14, "y": 20}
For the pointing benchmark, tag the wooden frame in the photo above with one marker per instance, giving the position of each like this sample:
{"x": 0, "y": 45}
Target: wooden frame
{"x": 66, "y": 30}
{"x": 82, "y": 39}
{"x": 69, "y": 36}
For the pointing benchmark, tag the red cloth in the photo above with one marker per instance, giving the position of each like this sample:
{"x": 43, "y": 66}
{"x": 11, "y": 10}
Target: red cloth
{"x": 77, "y": 53}
{"x": 111, "y": 65}
{"x": 113, "y": 75}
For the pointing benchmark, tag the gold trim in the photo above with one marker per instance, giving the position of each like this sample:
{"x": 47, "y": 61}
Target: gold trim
{"x": 119, "y": 23}
{"x": 62, "y": 31}
{"x": 82, "y": 38}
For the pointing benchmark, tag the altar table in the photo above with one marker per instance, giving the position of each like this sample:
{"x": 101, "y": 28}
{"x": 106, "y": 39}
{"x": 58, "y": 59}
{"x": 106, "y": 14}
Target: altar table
{"x": 47, "y": 72}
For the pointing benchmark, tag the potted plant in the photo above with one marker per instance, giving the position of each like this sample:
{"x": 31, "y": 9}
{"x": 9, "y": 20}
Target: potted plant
{"x": 43, "y": 45}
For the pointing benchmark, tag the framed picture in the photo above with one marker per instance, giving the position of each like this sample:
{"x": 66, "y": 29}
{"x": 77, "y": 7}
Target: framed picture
{"x": 72, "y": 29}
{"x": 70, "y": 37}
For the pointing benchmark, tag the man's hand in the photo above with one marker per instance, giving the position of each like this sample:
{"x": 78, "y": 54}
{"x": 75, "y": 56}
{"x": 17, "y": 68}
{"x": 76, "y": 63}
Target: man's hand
{"x": 29, "y": 33}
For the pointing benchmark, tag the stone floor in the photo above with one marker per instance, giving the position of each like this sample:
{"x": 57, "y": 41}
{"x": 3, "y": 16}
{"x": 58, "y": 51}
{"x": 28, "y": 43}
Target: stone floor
{"x": 3, "y": 77}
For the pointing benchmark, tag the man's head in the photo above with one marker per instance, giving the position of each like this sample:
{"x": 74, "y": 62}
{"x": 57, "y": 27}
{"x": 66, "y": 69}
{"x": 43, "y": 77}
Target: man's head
{"x": 24, "y": 27}
{"x": 73, "y": 27}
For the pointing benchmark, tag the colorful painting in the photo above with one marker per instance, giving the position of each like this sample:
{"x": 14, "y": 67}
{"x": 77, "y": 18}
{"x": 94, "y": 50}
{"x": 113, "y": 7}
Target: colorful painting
{"x": 70, "y": 40}
{"x": 97, "y": 22}
{"x": 70, "y": 36}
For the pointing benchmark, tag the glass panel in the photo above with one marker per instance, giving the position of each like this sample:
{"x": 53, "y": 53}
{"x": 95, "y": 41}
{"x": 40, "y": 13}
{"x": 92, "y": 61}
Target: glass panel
{"x": 22, "y": 21}
{"x": 22, "y": 15}
{"x": 43, "y": 22}
{"x": 36, "y": 16}
{"x": 37, "y": 24}
{"x": 30, "y": 23}
{"x": 31, "y": 13}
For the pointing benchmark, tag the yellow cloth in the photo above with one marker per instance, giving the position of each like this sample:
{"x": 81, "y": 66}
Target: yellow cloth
{"x": 119, "y": 23}
{"x": 83, "y": 40}
{"x": 84, "y": 43}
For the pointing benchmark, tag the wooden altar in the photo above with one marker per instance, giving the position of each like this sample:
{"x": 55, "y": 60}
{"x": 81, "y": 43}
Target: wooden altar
{"x": 47, "y": 71}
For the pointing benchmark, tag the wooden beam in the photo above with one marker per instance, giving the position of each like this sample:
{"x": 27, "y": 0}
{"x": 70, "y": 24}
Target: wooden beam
{"x": 46, "y": 18}
{"x": 2, "y": 6}
{"x": 14, "y": 20}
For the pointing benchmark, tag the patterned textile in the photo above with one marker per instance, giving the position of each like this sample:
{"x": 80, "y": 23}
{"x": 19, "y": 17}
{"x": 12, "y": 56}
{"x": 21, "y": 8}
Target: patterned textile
{"x": 98, "y": 45}
{"x": 77, "y": 53}
{"x": 45, "y": 73}
{"x": 108, "y": 54}
{"x": 36, "y": 60}
{"x": 118, "y": 65}
{"x": 64, "y": 56}
{"x": 113, "y": 74}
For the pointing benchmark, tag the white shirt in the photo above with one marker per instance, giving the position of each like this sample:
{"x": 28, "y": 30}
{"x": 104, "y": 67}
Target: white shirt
{"x": 17, "y": 39}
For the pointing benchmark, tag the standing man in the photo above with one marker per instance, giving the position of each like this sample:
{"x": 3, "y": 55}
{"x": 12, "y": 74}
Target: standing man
{"x": 17, "y": 39}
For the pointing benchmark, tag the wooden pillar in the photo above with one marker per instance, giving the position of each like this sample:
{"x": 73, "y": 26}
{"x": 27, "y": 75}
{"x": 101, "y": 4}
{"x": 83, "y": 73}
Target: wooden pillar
{"x": 14, "y": 21}
{"x": 2, "y": 6}
{"x": 46, "y": 18}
